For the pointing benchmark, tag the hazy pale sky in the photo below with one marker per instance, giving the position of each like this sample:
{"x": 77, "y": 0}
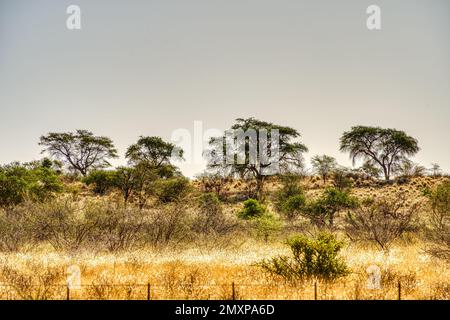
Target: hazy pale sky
{"x": 151, "y": 67}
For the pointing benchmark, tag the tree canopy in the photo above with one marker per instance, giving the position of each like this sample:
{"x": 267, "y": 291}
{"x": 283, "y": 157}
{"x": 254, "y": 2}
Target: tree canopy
{"x": 153, "y": 151}
{"x": 256, "y": 165}
{"x": 80, "y": 150}
{"x": 323, "y": 165}
{"x": 384, "y": 147}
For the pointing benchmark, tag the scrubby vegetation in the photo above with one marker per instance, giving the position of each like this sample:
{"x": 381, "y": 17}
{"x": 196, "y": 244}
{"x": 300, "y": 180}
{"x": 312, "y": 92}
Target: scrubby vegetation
{"x": 382, "y": 221}
{"x": 154, "y": 225}
{"x": 439, "y": 219}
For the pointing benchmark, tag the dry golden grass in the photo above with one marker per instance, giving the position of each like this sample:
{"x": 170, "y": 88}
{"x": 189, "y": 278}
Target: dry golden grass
{"x": 193, "y": 274}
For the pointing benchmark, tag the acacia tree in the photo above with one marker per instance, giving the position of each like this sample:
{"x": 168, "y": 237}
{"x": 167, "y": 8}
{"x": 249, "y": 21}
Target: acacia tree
{"x": 324, "y": 165}
{"x": 151, "y": 158}
{"x": 384, "y": 147}
{"x": 154, "y": 152}
{"x": 436, "y": 170}
{"x": 80, "y": 150}
{"x": 257, "y": 165}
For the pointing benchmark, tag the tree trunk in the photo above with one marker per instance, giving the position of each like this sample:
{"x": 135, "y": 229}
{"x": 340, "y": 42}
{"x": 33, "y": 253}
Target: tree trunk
{"x": 259, "y": 186}
{"x": 386, "y": 173}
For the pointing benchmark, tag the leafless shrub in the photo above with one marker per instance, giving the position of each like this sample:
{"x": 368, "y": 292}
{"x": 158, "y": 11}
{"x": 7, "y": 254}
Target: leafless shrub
{"x": 15, "y": 231}
{"x": 382, "y": 221}
{"x": 182, "y": 283}
{"x": 62, "y": 224}
{"x": 409, "y": 169}
{"x": 440, "y": 291}
{"x": 115, "y": 228}
{"x": 210, "y": 218}
{"x": 34, "y": 284}
{"x": 106, "y": 287}
{"x": 168, "y": 223}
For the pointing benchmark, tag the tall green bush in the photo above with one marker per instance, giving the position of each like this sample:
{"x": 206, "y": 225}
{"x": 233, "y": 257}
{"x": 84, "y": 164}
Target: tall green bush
{"x": 169, "y": 190}
{"x": 102, "y": 180}
{"x": 20, "y": 182}
{"x": 290, "y": 200}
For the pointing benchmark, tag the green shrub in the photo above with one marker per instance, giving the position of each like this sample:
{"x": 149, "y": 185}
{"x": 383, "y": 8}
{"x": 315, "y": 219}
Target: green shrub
{"x": 341, "y": 179}
{"x": 169, "y": 190}
{"x": 290, "y": 199}
{"x": 267, "y": 225}
{"x": 290, "y": 186}
{"x": 322, "y": 211}
{"x": 440, "y": 198}
{"x": 102, "y": 180}
{"x": 252, "y": 209}
{"x": 294, "y": 206}
{"x": 311, "y": 258}
{"x": 19, "y": 182}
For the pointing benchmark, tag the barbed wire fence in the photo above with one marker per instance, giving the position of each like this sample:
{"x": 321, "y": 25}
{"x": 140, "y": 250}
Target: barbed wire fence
{"x": 230, "y": 291}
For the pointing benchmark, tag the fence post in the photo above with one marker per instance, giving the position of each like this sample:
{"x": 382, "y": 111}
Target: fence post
{"x": 148, "y": 291}
{"x": 315, "y": 290}
{"x": 399, "y": 291}
{"x": 233, "y": 291}
{"x": 67, "y": 292}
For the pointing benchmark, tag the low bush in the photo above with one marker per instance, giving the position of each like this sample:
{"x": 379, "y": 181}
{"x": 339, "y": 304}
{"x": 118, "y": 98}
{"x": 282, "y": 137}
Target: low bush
{"x": 169, "y": 190}
{"x": 294, "y": 206}
{"x": 342, "y": 179}
{"x": 102, "y": 180}
{"x": 62, "y": 224}
{"x": 168, "y": 223}
{"x": 252, "y": 209}
{"x": 36, "y": 282}
{"x": 267, "y": 225}
{"x": 15, "y": 229}
{"x": 315, "y": 258}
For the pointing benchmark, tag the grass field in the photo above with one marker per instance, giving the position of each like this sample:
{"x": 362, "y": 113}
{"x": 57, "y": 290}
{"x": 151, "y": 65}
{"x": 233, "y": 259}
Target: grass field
{"x": 206, "y": 274}
{"x": 226, "y": 267}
